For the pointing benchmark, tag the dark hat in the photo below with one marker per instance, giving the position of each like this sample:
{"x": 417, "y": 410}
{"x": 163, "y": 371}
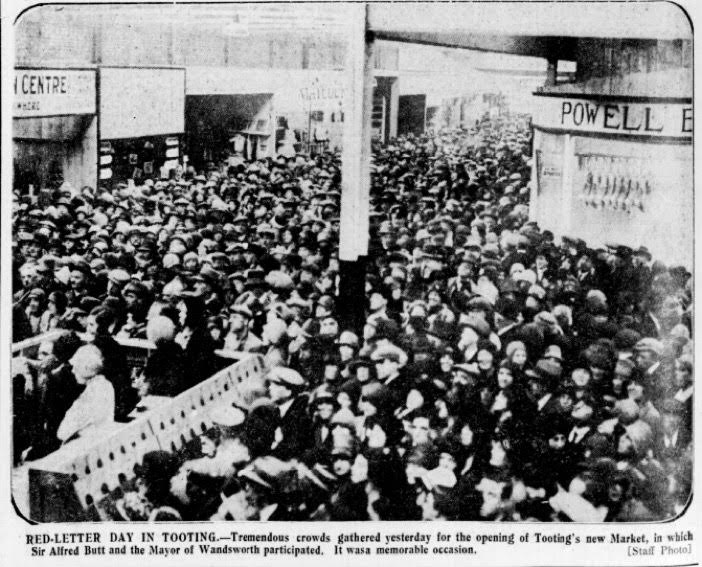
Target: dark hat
{"x": 88, "y": 303}
{"x": 352, "y": 388}
{"x": 157, "y": 466}
{"x": 324, "y": 397}
{"x": 599, "y": 356}
{"x": 209, "y": 275}
{"x": 137, "y": 288}
{"x": 477, "y": 323}
{"x": 548, "y": 370}
{"x": 386, "y": 329}
{"x": 643, "y": 251}
{"x": 79, "y": 264}
{"x": 623, "y": 251}
{"x": 47, "y": 264}
{"x": 376, "y": 394}
{"x": 254, "y": 278}
{"x": 479, "y": 303}
{"x": 327, "y": 302}
{"x": 470, "y": 369}
{"x": 360, "y": 361}
{"x": 433, "y": 251}
{"x": 556, "y": 424}
{"x": 626, "y": 339}
{"x": 310, "y": 328}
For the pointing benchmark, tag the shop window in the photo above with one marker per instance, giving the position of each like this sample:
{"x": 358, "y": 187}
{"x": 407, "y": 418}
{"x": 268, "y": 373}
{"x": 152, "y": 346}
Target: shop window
{"x": 613, "y": 183}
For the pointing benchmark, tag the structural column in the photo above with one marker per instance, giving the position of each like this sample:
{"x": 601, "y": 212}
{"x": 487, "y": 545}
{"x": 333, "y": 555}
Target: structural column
{"x": 355, "y": 172}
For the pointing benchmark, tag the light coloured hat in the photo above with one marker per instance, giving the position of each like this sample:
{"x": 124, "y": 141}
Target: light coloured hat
{"x": 390, "y": 352}
{"x": 286, "y": 377}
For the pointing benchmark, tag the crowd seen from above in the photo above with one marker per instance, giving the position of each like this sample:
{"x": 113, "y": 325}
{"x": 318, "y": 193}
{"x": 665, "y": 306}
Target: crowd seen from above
{"x": 501, "y": 373}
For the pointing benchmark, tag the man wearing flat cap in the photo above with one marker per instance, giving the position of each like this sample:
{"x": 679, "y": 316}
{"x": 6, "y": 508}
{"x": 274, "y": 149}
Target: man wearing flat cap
{"x": 294, "y": 431}
{"x": 117, "y": 279}
{"x": 136, "y": 298}
{"x": 542, "y": 383}
{"x": 80, "y": 281}
{"x": 389, "y": 363}
{"x": 207, "y": 286}
{"x": 224, "y": 450}
{"x": 240, "y": 337}
{"x": 45, "y": 277}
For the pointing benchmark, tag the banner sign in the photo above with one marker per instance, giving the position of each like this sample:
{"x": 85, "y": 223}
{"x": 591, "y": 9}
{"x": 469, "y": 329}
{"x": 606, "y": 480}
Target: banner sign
{"x": 155, "y": 104}
{"x": 53, "y": 92}
{"x": 652, "y": 119}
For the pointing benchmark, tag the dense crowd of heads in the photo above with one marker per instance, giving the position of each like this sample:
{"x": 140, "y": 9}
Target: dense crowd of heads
{"x": 500, "y": 373}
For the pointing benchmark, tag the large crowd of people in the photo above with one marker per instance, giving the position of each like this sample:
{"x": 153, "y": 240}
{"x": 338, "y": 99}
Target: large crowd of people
{"x": 501, "y": 374}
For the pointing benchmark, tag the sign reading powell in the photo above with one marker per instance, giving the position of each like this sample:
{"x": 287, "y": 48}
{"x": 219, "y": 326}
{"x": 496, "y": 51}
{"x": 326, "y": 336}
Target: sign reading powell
{"x": 53, "y": 92}
{"x": 631, "y": 118}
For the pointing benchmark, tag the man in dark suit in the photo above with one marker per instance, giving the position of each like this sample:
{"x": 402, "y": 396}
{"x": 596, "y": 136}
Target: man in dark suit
{"x": 647, "y": 357}
{"x": 642, "y": 261}
{"x": 389, "y": 362}
{"x": 294, "y": 432}
{"x": 541, "y": 384}
{"x": 674, "y": 437}
{"x": 583, "y": 425}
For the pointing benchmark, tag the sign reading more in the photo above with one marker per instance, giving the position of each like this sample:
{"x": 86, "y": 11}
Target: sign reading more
{"x": 53, "y": 92}
{"x": 654, "y": 119}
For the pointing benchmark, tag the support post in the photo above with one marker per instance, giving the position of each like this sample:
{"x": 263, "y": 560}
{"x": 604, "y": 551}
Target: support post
{"x": 552, "y": 72}
{"x": 355, "y": 172}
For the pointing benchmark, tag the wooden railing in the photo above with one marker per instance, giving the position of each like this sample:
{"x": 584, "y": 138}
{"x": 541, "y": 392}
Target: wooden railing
{"x": 69, "y": 484}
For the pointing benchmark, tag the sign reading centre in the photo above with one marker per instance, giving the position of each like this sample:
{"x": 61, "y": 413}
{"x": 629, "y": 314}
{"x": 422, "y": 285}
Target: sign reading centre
{"x": 649, "y": 118}
{"x": 53, "y": 92}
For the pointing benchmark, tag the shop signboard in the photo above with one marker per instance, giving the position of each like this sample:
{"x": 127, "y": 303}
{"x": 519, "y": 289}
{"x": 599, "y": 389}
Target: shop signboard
{"x": 53, "y": 92}
{"x": 618, "y": 116}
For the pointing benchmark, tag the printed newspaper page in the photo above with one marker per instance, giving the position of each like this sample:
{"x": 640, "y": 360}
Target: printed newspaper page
{"x": 313, "y": 283}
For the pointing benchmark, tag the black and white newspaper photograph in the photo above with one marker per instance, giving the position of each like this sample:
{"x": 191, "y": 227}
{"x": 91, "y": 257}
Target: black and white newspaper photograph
{"x": 355, "y": 283}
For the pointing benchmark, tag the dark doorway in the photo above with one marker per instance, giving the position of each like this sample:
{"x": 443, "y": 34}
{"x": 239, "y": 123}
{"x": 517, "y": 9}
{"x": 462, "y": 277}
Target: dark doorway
{"x": 410, "y": 114}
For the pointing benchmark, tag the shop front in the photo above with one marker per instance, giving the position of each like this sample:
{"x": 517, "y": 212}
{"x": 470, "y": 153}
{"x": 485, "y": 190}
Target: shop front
{"x": 313, "y": 110}
{"x": 141, "y": 123}
{"x": 54, "y": 129}
{"x": 613, "y": 169}
{"x": 313, "y": 106}
{"x": 259, "y": 113}
{"x": 219, "y": 125}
